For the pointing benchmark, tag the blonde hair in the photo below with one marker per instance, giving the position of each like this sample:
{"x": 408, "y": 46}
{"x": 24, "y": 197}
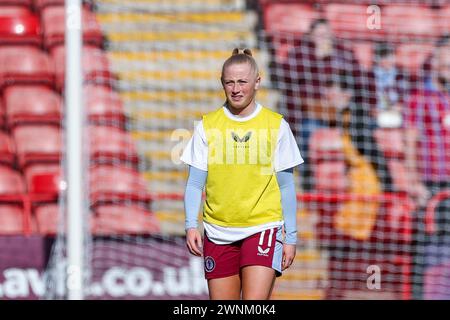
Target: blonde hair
{"x": 240, "y": 56}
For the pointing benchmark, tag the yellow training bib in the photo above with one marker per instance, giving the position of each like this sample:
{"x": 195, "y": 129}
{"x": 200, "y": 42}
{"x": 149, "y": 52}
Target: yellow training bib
{"x": 241, "y": 187}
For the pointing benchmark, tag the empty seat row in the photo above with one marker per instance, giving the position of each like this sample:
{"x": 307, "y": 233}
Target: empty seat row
{"x": 32, "y": 112}
{"x": 20, "y": 29}
{"x": 358, "y": 21}
{"x": 28, "y": 64}
{"x": 410, "y": 56}
{"x": 121, "y": 219}
{"x": 104, "y": 220}
{"x": 54, "y": 26}
{"x": 29, "y": 4}
{"x": 95, "y": 63}
{"x": 118, "y": 198}
{"x": 25, "y": 104}
{"x": 36, "y": 5}
{"x": 20, "y": 26}
{"x": 31, "y": 104}
{"x": 107, "y": 183}
{"x": 25, "y": 64}
{"x": 16, "y": 7}
{"x": 44, "y": 143}
{"x": 105, "y": 179}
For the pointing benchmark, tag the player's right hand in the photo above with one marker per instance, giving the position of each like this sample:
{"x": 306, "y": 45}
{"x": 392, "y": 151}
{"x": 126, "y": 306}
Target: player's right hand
{"x": 194, "y": 242}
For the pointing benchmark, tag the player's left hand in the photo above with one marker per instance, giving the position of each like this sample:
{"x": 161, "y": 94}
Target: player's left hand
{"x": 288, "y": 255}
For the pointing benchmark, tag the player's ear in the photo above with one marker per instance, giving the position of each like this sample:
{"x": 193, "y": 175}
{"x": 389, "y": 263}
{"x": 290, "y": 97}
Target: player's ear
{"x": 257, "y": 82}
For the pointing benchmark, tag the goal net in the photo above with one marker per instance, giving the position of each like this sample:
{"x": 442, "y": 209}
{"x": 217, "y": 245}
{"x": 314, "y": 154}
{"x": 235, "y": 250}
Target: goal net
{"x": 365, "y": 90}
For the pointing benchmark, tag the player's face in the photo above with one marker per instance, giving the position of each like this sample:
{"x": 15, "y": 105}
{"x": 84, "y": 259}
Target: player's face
{"x": 322, "y": 33}
{"x": 388, "y": 62}
{"x": 240, "y": 84}
{"x": 337, "y": 97}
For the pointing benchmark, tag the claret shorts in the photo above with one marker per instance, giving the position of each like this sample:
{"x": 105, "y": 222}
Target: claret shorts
{"x": 262, "y": 249}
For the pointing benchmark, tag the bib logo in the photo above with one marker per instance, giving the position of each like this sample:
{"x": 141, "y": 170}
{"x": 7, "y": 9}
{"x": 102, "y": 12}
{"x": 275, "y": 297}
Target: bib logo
{"x": 245, "y": 138}
{"x": 210, "y": 264}
{"x": 242, "y": 147}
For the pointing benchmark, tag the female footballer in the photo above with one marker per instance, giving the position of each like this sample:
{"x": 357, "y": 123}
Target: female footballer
{"x": 244, "y": 155}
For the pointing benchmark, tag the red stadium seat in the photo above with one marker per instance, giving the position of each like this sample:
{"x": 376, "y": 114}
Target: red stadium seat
{"x": 391, "y": 142}
{"x": 409, "y": 21}
{"x": 284, "y": 23}
{"x": 40, "y": 4}
{"x": 54, "y": 26}
{"x": 330, "y": 176}
{"x": 32, "y": 104}
{"x": 11, "y": 183}
{"x": 288, "y": 17}
{"x": 107, "y": 220}
{"x": 25, "y": 64}
{"x": 15, "y": 8}
{"x": 117, "y": 183}
{"x": 7, "y": 149}
{"x": 43, "y": 178}
{"x": 104, "y": 106}
{"x": 412, "y": 56}
{"x": 443, "y": 19}
{"x": 47, "y": 218}
{"x": 327, "y": 157}
{"x": 37, "y": 143}
{"x": 122, "y": 219}
{"x": 326, "y": 145}
{"x": 26, "y": 3}
{"x": 11, "y": 219}
{"x": 96, "y": 67}
{"x": 109, "y": 144}
{"x": 350, "y": 21}
{"x": 20, "y": 29}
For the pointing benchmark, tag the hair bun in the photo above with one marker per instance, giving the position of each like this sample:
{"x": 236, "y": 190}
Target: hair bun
{"x": 248, "y": 52}
{"x": 245, "y": 51}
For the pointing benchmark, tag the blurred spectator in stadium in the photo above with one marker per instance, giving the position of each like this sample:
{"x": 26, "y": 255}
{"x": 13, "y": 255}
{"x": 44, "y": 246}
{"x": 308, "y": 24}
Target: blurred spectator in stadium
{"x": 390, "y": 86}
{"x": 427, "y": 136}
{"x": 427, "y": 64}
{"x": 427, "y": 123}
{"x": 358, "y": 127}
{"x": 367, "y": 170}
{"x": 309, "y": 65}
